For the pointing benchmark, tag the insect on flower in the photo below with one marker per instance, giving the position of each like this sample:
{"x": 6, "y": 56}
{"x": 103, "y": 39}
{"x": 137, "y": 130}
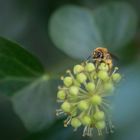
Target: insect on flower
{"x": 83, "y": 93}
{"x": 100, "y": 55}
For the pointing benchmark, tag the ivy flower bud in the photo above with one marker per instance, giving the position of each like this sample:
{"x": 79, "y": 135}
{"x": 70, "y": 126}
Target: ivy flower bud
{"x": 82, "y": 96}
{"x": 74, "y": 90}
{"x": 81, "y": 77}
{"x": 75, "y": 123}
{"x": 116, "y": 77}
{"x": 103, "y": 75}
{"x": 103, "y": 67}
{"x": 90, "y": 86}
{"x": 99, "y": 115}
{"x": 89, "y": 67}
{"x": 67, "y": 81}
{"x": 96, "y": 100}
{"x": 66, "y": 107}
{"x": 83, "y": 105}
{"x": 86, "y": 120}
{"x": 61, "y": 94}
{"x": 78, "y": 69}
{"x": 100, "y": 125}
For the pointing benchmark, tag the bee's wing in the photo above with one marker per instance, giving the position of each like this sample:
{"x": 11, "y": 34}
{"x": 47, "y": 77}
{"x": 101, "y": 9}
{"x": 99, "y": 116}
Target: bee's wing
{"x": 114, "y": 57}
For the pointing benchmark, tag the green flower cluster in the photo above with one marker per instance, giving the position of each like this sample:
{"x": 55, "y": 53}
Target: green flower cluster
{"x": 82, "y": 96}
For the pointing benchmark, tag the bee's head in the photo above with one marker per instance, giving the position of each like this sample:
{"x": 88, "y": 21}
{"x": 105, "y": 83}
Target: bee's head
{"x": 97, "y": 54}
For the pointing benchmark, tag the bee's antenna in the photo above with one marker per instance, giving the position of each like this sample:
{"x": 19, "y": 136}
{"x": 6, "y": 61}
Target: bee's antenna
{"x": 89, "y": 57}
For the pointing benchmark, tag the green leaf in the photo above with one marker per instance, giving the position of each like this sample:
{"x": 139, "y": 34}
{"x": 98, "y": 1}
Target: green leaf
{"x": 117, "y": 23}
{"x": 36, "y": 104}
{"x": 17, "y": 67}
{"x": 126, "y": 112}
{"x": 77, "y": 31}
{"x": 127, "y": 98}
{"x": 73, "y": 30}
{"x": 23, "y": 77}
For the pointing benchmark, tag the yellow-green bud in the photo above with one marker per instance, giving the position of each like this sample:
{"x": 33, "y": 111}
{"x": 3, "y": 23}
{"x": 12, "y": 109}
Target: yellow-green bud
{"x": 75, "y": 123}
{"x": 100, "y": 125}
{"x": 103, "y": 67}
{"x": 83, "y": 105}
{"x": 96, "y": 100}
{"x": 78, "y": 69}
{"x": 109, "y": 87}
{"x": 99, "y": 115}
{"x": 66, "y": 107}
{"x": 89, "y": 67}
{"x": 86, "y": 120}
{"x": 81, "y": 77}
{"x": 74, "y": 90}
{"x": 61, "y": 94}
{"x": 90, "y": 86}
{"x": 103, "y": 75}
{"x": 116, "y": 77}
{"x": 68, "y": 81}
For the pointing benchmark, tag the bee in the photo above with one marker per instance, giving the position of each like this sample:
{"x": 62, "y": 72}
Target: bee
{"x": 100, "y": 55}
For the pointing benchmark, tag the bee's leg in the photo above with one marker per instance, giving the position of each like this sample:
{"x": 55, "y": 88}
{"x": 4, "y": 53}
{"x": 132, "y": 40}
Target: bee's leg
{"x": 110, "y": 68}
{"x": 96, "y": 62}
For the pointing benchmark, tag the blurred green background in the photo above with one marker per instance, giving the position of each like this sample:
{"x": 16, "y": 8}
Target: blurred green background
{"x": 28, "y": 23}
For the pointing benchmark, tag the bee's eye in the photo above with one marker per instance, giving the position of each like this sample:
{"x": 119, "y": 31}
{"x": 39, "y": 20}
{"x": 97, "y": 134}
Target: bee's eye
{"x": 98, "y": 55}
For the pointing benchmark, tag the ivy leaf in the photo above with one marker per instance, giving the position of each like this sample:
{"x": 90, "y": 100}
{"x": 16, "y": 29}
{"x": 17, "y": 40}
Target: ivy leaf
{"x": 126, "y": 112}
{"x": 74, "y": 31}
{"x": 77, "y": 31}
{"x": 17, "y": 67}
{"x": 23, "y": 78}
{"x": 36, "y": 105}
{"x": 128, "y": 91}
{"x": 117, "y": 23}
